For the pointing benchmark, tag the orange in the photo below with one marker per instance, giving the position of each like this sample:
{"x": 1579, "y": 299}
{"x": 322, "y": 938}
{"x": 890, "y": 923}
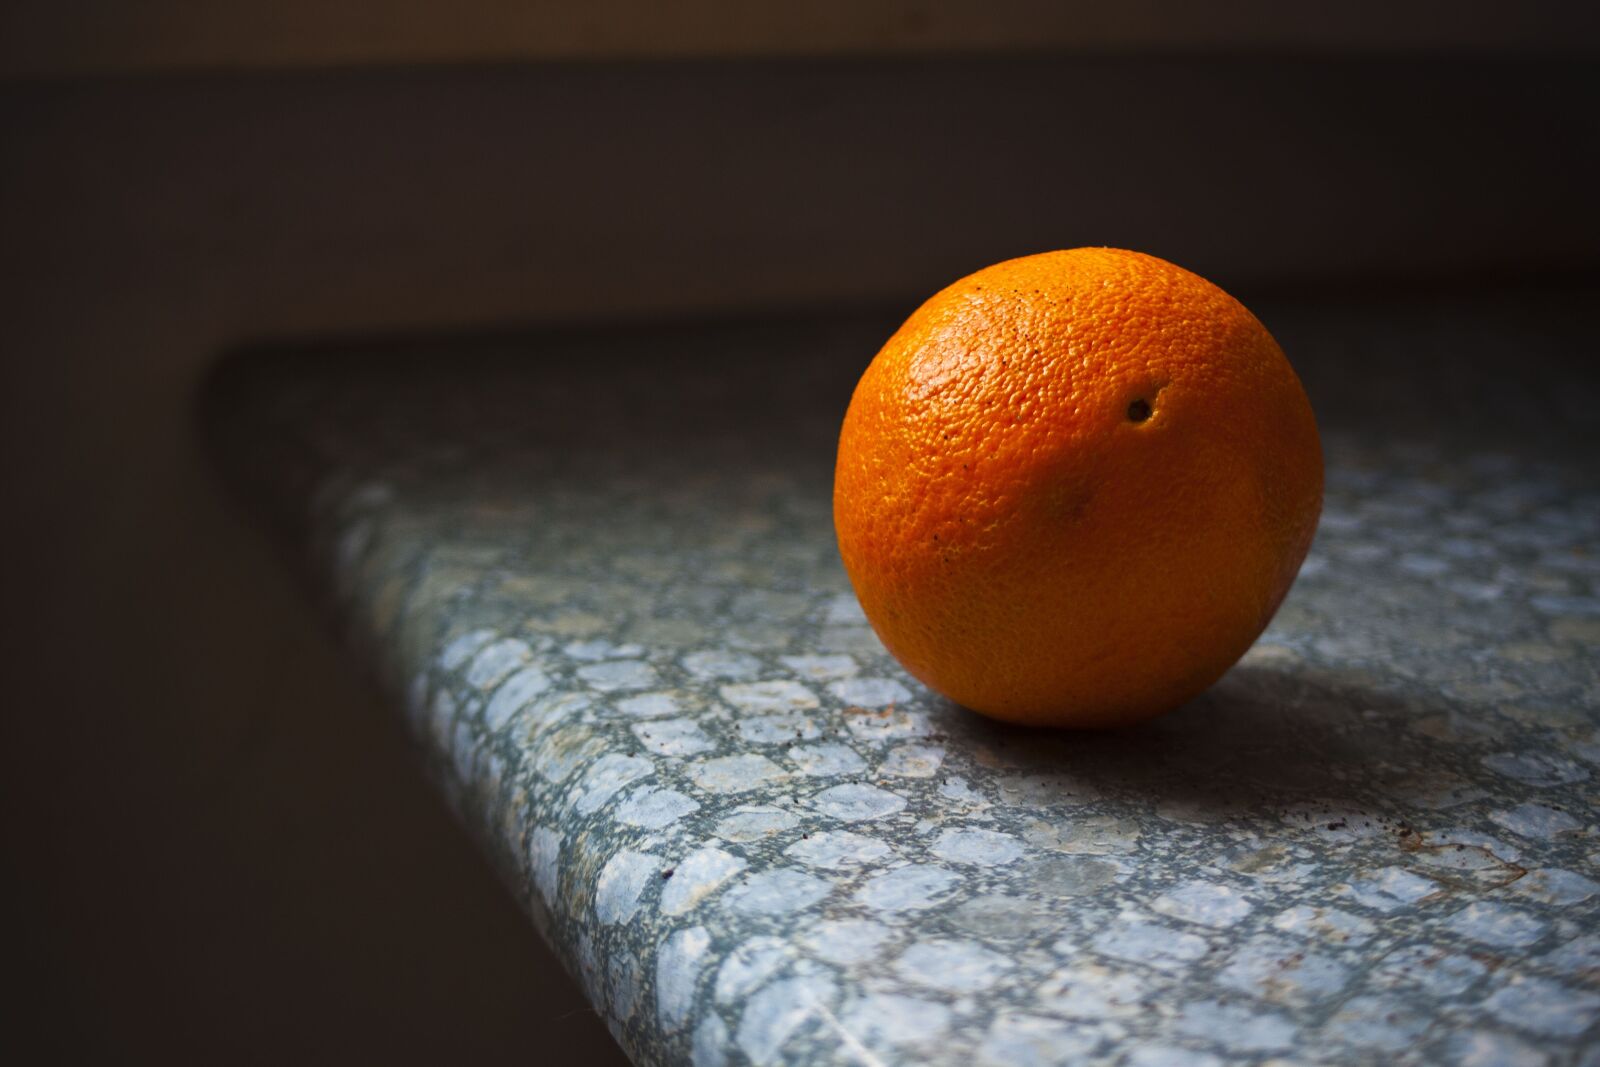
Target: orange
{"x": 1073, "y": 488}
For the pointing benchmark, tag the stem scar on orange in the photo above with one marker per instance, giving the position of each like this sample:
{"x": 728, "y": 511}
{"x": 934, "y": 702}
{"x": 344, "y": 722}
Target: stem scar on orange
{"x": 1073, "y": 488}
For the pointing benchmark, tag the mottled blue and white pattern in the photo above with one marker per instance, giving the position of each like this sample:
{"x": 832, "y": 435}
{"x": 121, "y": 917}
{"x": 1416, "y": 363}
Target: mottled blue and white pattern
{"x": 631, "y": 656}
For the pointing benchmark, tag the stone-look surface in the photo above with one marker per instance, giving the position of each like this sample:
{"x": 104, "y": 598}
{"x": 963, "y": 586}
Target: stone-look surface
{"x": 609, "y": 597}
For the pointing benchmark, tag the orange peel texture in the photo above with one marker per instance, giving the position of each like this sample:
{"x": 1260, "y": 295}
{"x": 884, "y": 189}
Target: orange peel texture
{"x": 1073, "y": 488}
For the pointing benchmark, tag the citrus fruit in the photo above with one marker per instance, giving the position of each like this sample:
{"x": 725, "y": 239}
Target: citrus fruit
{"x": 1073, "y": 487}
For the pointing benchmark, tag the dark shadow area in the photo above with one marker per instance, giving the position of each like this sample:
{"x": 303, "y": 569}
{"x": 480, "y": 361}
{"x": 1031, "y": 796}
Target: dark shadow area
{"x": 1258, "y": 741}
{"x": 1474, "y": 366}
{"x": 302, "y": 895}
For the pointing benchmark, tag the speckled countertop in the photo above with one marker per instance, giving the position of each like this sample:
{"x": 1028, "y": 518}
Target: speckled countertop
{"x": 600, "y": 577}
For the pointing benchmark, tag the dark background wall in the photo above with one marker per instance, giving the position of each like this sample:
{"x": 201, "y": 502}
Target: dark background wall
{"x": 218, "y": 843}
{"x": 44, "y": 37}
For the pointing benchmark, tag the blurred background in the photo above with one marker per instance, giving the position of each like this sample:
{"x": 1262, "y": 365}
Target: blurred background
{"x": 217, "y": 843}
